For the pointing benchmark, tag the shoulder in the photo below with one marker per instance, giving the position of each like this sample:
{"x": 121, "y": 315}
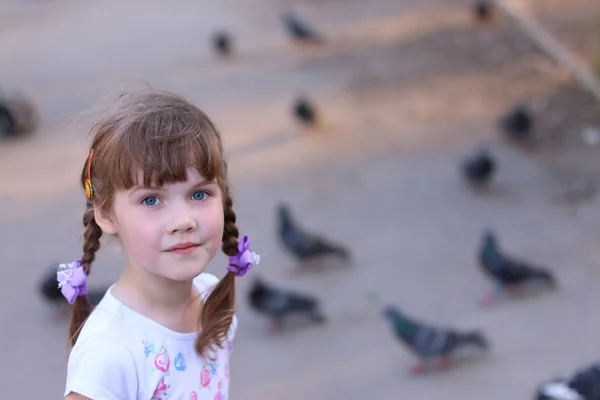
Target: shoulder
{"x": 100, "y": 366}
{"x": 107, "y": 322}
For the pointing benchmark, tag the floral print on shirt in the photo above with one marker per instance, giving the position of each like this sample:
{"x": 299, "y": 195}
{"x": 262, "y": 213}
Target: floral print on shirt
{"x": 162, "y": 362}
{"x": 161, "y": 390}
{"x": 179, "y": 362}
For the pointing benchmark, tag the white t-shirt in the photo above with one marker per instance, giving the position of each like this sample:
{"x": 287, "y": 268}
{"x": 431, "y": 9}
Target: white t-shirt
{"x": 123, "y": 355}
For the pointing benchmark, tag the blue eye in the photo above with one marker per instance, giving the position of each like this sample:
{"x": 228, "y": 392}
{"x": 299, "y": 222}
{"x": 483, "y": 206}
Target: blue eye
{"x": 199, "y": 195}
{"x": 150, "y": 201}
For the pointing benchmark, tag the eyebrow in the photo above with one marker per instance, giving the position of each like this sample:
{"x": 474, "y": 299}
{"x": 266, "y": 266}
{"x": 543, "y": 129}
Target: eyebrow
{"x": 137, "y": 188}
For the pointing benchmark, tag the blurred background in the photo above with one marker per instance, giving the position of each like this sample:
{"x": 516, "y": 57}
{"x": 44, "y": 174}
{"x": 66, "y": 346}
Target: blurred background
{"x": 405, "y": 92}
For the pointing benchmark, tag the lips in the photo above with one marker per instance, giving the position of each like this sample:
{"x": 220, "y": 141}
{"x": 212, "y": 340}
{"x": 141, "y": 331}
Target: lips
{"x": 183, "y": 246}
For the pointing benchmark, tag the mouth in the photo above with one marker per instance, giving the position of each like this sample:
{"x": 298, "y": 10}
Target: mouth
{"x": 183, "y": 247}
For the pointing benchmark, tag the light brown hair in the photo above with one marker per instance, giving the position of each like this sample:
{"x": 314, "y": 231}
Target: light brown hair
{"x": 160, "y": 134}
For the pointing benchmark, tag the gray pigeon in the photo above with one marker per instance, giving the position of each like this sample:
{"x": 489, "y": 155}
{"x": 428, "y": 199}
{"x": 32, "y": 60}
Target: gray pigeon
{"x": 300, "y": 30}
{"x": 302, "y": 245}
{"x": 278, "y": 304}
{"x": 518, "y": 123}
{"x": 583, "y": 385}
{"x": 508, "y": 272}
{"x": 479, "y": 169}
{"x": 431, "y": 343}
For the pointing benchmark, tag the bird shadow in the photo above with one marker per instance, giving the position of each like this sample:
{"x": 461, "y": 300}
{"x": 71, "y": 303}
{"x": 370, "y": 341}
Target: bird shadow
{"x": 497, "y": 189}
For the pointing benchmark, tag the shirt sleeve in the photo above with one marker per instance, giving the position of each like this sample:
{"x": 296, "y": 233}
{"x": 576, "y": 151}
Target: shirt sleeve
{"x": 102, "y": 368}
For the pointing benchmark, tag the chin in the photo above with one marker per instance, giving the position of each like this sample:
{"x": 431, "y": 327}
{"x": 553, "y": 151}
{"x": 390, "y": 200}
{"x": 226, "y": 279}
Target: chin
{"x": 184, "y": 274}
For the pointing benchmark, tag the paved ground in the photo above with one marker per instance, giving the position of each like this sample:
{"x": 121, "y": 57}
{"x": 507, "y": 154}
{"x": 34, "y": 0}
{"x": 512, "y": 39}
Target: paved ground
{"x": 407, "y": 90}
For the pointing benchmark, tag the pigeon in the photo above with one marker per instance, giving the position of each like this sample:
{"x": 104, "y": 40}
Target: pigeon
{"x": 18, "y": 115}
{"x": 479, "y": 169}
{"x": 483, "y": 10}
{"x": 508, "y": 272}
{"x": 304, "y": 246}
{"x": 222, "y": 43}
{"x": 431, "y": 344}
{"x": 583, "y": 385}
{"x": 278, "y": 304}
{"x": 299, "y": 30}
{"x": 305, "y": 112}
{"x": 7, "y": 122}
{"x": 51, "y": 293}
{"x": 518, "y": 123}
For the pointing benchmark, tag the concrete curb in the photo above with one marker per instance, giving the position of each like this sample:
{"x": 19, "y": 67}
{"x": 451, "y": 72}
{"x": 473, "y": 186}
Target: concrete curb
{"x": 547, "y": 43}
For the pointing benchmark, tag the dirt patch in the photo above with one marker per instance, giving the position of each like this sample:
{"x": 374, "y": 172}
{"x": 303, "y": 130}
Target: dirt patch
{"x": 468, "y": 70}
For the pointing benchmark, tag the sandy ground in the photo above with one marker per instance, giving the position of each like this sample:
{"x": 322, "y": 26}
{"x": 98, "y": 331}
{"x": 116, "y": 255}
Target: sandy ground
{"x": 407, "y": 89}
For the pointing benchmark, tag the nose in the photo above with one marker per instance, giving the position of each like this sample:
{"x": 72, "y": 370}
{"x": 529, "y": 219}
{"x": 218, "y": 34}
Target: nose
{"x": 183, "y": 222}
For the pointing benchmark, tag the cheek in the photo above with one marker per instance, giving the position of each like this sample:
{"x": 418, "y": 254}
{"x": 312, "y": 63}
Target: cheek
{"x": 138, "y": 230}
{"x": 214, "y": 223}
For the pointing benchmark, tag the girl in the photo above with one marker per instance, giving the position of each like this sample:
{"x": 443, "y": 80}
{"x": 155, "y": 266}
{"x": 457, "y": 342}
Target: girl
{"x": 155, "y": 178}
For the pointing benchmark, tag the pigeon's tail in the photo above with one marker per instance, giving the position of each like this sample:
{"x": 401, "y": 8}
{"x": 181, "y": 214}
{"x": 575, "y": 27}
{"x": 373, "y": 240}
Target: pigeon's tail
{"x": 303, "y": 304}
{"x": 542, "y": 275}
{"x": 324, "y": 248}
{"x": 317, "y": 39}
{"x": 317, "y": 316}
{"x": 474, "y": 338}
{"x": 342, "y": 252}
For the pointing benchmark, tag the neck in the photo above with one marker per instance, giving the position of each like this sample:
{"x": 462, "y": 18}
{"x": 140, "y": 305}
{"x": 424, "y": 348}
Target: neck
{"x": 404, "y": 323}
{"x": 174, "y": 304}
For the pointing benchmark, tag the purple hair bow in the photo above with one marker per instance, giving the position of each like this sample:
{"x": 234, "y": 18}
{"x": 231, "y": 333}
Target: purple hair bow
{"x": 244, "y": 259}
{"x": 72, "y": 280}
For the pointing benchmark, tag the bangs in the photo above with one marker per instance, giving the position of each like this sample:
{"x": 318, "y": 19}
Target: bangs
{"x": 159, "y": 146}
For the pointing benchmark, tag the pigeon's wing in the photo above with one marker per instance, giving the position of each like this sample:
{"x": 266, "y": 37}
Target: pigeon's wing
{"x": 299, "y": 302}
{"x": 430, "y": 341}
{"x": 529, "y": 268}
{"x": 274, "y": 302}
{"x": 518, "y": 270}
{"x": 514, "y": 269}
{"x": 301, "y": 242}
{"x": 299, "y": 28}
{"x": 323, "y": 245}
{"x": 279, "y": 302}
{"x": 505, "y": 269}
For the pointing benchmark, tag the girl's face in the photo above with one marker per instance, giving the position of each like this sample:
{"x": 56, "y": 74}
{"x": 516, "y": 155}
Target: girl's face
{"x": 152, "y": 222}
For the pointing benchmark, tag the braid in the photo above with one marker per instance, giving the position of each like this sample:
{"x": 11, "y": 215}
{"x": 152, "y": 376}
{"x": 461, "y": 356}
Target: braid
{"x": 82, "y": 308}
{"x": 219, "y": 307}
{"x": 230, "y": 230}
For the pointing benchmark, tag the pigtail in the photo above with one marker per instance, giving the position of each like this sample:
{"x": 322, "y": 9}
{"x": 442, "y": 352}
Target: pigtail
{"x": 82, "y": 308}
{"x": 219, "y": 307}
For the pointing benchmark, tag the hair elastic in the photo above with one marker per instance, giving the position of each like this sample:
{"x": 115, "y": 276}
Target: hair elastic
{"x": 89, "y": 190}
{"x": 244, "y": 259}
{"x": 72, "y": 280}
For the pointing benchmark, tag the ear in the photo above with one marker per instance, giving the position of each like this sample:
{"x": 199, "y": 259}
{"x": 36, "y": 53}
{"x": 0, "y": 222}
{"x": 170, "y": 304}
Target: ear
{"x": 104, "y": 222}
